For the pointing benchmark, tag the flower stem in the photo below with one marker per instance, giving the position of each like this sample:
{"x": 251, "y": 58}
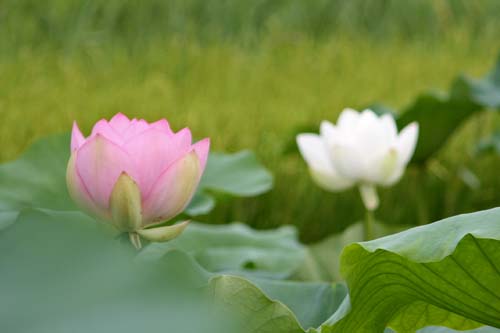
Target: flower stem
{"x": 369, "y": 196}
{"x": 368, "y": 225}
{"x": 135, "y": 239}
{"x": 370, "y": 200}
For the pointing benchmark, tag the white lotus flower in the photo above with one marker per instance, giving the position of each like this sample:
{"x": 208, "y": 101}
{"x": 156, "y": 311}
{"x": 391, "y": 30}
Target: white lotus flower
{"x": 362, "y": 149}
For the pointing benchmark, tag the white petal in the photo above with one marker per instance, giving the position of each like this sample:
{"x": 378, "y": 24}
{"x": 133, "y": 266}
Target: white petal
{"x": 389, "y": 125}
{"x": 330, "y": 180}
{"x": 315, "y": 153}
{"x": 327, "y": 130}
{"x": 348, "y": 161}
{"x": 373, "y": 139}
{"x": 363, "y": 147}
{"x": 396, "y": 176}
{"x": 368, "y": 121}
{"x": 407, "y": 142}
{"x": 405, "y": 146}
{"x": 388, "y": 168}
{"x": 348, "y": 118}
{"x": 313, "y": 150}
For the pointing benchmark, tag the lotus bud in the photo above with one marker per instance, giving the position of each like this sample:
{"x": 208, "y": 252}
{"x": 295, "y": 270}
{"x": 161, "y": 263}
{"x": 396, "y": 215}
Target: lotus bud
{"x": 135, "y": 175}
{"x": 362, "y": 149}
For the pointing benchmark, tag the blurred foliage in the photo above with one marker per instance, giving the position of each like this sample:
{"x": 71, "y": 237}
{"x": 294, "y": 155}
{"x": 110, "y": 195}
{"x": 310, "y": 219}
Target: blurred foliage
{"x": 489, "y": 144}
{"x": 440, "y": 114}
{"x": 67, "y": 24}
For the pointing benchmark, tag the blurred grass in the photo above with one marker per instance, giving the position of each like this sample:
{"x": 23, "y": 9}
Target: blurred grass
{"x": 246, "y": 74}
{"x": 67, "y": 24}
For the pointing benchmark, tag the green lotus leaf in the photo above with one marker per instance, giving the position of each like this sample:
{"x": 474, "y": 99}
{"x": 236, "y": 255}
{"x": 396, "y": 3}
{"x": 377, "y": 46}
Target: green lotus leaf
{"x": 443, "y": 274}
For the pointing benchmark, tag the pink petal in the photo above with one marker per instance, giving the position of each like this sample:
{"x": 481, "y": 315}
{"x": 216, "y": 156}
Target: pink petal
{"x": 202, "y": 148}
{"x": 162, "y": 125}
{"x": 77, "y": 138}
{"x": 103, "y": 128}
{"x": 173, "y": 190}
{"x": 119, "y": 123}
{"x": 136, "y": 128}
{"x": 79, "y": 192}
{"x": 153, "y": 152}
{"x": 99, "y": 164}
{"x": 183, "y": 137}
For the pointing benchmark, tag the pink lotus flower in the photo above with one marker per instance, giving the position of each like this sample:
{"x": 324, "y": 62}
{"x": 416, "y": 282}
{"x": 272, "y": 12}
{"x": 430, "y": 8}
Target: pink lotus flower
{"x": 135, "y": 174}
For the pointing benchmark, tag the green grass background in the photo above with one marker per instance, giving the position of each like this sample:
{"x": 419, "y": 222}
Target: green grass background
{"x": 246, "y": 74}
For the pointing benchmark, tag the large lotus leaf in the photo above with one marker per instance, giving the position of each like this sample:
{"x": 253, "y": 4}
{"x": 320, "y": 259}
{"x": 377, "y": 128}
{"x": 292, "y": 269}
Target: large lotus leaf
{"x": 238, "y": 174}
{"x": 37, "y": 179}
{"x": 63, "y": 272}
{"x": 238, "y": 249}
{"x": 202, "y": 203}
{"x": 7, "y": 218}
{"x": 443, "y": 274}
